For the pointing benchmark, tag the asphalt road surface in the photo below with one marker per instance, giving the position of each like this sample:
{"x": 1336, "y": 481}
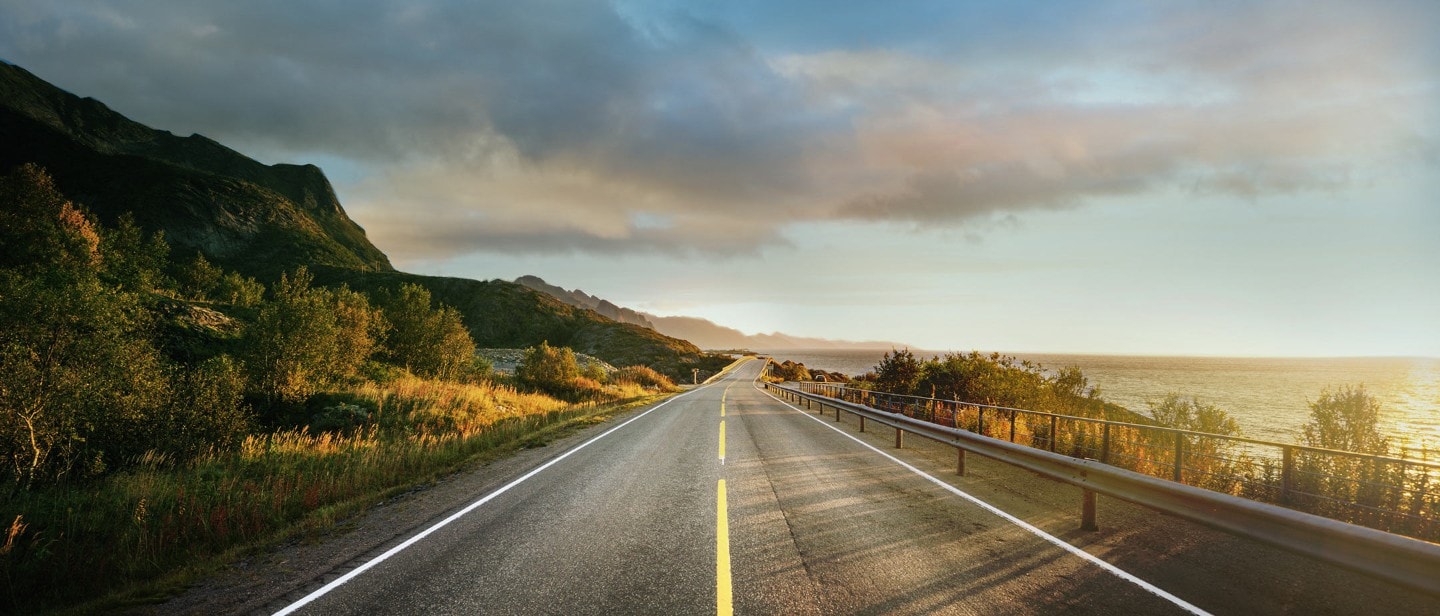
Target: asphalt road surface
{"x": 725, "y": 498}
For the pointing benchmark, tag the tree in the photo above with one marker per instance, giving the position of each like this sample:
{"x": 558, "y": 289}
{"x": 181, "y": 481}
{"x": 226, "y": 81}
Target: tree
{"x": 238, "y": 290}
{"x": 1348, "y": 420}
{"x": 898, "y": 372}
{"x": 1177, "y": 411}
{"x": 132, "y": 260}
{"x": 305, "y": 339}
{"x": 427, "y": 341}
{"x": 79, "y": 377}
{"x": 198, "y": 278}
{"x": 40, "y": 229}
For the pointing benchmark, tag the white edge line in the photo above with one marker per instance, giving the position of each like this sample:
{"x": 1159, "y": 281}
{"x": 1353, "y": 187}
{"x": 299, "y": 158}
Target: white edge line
{"x": 352, "y": 574}
{"x": 1121, "y": 573}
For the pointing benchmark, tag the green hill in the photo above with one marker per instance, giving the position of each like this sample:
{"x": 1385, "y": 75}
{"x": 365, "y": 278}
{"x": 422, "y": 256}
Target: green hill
{"x": 262, "y": 220}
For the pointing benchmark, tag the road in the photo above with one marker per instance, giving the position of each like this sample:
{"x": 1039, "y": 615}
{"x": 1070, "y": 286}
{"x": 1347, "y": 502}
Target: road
{"x": 725, "y": 498}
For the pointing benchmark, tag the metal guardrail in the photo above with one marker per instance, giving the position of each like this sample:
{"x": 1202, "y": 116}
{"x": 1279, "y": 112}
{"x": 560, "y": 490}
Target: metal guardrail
{"x": 1402, "y": 560}
{"x": 1397, "y": 495}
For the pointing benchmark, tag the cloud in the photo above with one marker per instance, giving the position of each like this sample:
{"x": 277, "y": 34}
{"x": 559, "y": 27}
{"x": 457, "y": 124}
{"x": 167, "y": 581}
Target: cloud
{"x": 558, "y": 126}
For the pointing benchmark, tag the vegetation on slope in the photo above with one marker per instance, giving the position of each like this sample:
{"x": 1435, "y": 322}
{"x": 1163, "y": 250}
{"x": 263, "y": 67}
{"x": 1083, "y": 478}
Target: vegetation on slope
{"x": 264, "y": 221}
{"x": 156, "y": 411}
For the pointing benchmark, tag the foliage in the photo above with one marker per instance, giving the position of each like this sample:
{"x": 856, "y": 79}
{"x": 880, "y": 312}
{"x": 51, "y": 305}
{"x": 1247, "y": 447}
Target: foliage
{"x": 594, "y": 371}
{"x": 133, "y": 261}
{"x": 238, "y": 290}
{"x": 40, "y": 229}
{"x": 548, "y": 368}
{"x": 306, "y": 339}
{"x": 644, "y": 377}
{"x": 428, "y": 341}
{"x": 1348, "y": 420}
{"x": 1184, "y": 413}
{"x": 199, "y": 279}
{"x": 898, "y": 372}
{"x": 83, "y": 388}
{"x": 143, "y": 522}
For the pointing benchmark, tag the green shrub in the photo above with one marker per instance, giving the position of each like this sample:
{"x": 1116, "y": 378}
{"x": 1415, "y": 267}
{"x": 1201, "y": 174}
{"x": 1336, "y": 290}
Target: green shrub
{"x": 548, "y": 368}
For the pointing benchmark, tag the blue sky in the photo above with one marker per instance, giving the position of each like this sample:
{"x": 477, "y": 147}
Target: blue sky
{"x": 1221, "y": 178}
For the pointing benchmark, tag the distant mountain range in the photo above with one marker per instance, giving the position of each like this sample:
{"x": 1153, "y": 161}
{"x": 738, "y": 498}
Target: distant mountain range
{"x": 704, "y": 333}
{"x": 262, "y": 220}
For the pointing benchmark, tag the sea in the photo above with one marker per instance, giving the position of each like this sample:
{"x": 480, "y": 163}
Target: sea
{"x": 1268, "y": 397}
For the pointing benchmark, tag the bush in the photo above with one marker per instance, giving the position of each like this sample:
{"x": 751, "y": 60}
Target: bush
{"x": 547, "y": 368}
{"x": 644, "y": 377}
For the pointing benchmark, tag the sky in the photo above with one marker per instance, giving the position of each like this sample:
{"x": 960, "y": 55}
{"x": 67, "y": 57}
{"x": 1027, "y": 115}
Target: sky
{"x": 1157, "y": 178}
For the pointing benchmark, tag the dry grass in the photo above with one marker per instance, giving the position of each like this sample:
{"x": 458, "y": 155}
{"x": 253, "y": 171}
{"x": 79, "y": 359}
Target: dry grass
{"x": 141, "y": 526}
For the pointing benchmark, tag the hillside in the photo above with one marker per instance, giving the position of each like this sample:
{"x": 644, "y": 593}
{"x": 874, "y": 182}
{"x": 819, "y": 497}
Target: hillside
{"x": 262, "y": 220}
{"x": 585, "y": 300}
{"x": 245, "y": 215}
{"x": 505, "y": 314}
{"x": 704, "y": 333}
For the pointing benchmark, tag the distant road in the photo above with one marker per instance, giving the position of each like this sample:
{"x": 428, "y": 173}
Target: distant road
{"x": 813, "y": 521}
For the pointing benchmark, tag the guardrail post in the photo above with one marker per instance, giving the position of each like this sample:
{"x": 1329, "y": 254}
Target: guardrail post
{"x": 980, "y": 420}
{"x": 1179, "y": 456}
{"x": 1054, "y": 421}
{"x": 1087, "y": 511}
{"x": 837, "y": 413}
{"x": 1013, "y": 416}
{"x": 862, "y": 423}
{"x": 960, "y": 462}
{"x": 1287, "y": 473}
{"x": 899, "y": 438}
{"x": 1105, "y": 445}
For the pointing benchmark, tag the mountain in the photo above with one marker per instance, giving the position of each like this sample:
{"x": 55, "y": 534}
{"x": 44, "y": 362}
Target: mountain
{"x": 703, "y": 333}
{"x": 709, "y": 335}
{"x": 262, "y": 220}
{"x": 584, "y": 300}
{"x": 205, "y": 197}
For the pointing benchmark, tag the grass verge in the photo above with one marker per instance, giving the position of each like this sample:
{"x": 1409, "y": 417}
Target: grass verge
{"x": 140, "y": 535}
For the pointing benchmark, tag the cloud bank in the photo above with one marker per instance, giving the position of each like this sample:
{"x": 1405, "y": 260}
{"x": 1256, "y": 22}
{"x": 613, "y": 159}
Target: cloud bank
{"x": 555, "y": 127}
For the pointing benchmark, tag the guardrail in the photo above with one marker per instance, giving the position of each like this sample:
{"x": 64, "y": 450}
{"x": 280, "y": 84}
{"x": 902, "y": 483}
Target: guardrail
{"x": 1403, "y": 560}
{"x": 1396, "y": 495}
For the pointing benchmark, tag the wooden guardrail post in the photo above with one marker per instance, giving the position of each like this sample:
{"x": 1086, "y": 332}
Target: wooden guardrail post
{"x": 1087, "y": 511}
{"x": 960, "y": 462}
{"x": 1105, "y": 445}
{"x": 1287, "y": 473}
{"x": 899, "y": 438}
{"x": 1013, "y": 416}
{"x": 1054, "y": 436}
{"x": 862, "y": 423}
{"x": 1179, "y": 456}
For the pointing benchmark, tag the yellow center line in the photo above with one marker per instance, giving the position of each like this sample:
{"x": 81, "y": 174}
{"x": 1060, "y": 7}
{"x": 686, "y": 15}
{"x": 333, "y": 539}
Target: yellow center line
{"x": 722, "y": 441}
{"x": 723, "y": 606}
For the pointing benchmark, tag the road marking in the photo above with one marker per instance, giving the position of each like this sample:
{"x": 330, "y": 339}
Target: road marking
{"x": 722, "y": 441}
{"x": 1122, "y": 574}
{"x": 723, "y": 605}
{"x": 323, "y": 590}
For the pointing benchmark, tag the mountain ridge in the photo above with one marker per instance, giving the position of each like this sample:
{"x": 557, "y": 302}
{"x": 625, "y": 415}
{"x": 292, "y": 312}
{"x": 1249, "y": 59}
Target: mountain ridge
{"x": 703, "y": 333}
{"x": 265, "y": 220}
